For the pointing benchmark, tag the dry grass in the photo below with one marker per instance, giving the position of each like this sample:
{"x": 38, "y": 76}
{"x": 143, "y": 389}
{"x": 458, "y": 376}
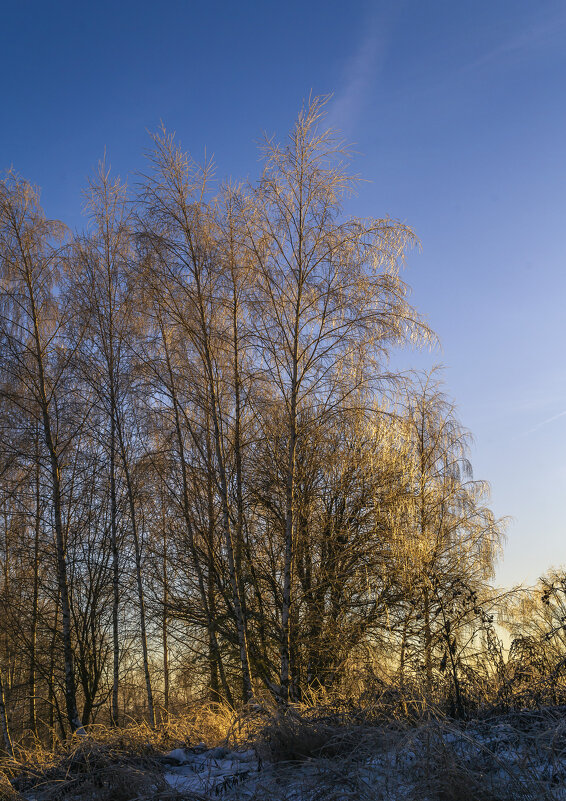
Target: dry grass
{"x": 211, "y": 724}
{"x": 118, "y": 768}
{"x": 516, "y": 757}
{"x": 333, "y": 752}
{"x": 296, "y": 735}
{"x": 113, "y": 764}
{"x": 7, "y": 791}
{"x": 513, "y": 757}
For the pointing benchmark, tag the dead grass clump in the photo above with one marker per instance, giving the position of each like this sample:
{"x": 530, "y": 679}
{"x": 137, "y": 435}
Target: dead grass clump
{"x": 454, "y": 765}
{"x": 89, "y": 767}
{"x": 289, "y": 737}
{"x": 7, "y": 791}
{"x": 115, "y": 764}
{"x": 295, "y": 735}
{"x": 111, "y": 783}
{"x": 209, "y": 723}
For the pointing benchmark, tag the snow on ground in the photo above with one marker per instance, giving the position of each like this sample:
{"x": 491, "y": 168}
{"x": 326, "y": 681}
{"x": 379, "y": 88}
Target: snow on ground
{"x": 211, "y": 771}
{"x": 480, "y": 760}
{"x": 518, "y": 756}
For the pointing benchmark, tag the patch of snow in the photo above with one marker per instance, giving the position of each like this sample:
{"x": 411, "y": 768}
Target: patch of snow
{"x": 213, "y": 771}
{"x": 499, "y": 753}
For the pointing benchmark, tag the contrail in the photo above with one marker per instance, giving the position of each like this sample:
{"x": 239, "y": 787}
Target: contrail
{"x": 545, "y": 422}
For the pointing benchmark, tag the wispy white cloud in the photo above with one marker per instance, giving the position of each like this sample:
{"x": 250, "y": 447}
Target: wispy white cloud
{"x": 360, "y": 75}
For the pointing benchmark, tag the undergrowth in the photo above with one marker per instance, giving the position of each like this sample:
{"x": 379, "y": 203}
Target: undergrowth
{"x": 327, "y": 752}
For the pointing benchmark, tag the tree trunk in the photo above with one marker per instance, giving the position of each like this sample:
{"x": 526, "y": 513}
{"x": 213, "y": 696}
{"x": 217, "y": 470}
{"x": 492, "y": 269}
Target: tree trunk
{"x": 139, "y": 581}
{"x": 289, "y": 519}
{"x": 226, "y": 526}
{"x": 205, "y": 596}
{"x": 427, "y": 644}
{"x": 4, "y": 720}
{"x": 164, "y": 627}
{"x": 114, "y": 710}
{"x": 70, "y": 688}
{"x": 34, "y": 609}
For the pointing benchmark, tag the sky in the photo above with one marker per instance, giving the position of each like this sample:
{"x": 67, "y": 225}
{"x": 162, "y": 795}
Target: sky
{"x": 457, "y": 111}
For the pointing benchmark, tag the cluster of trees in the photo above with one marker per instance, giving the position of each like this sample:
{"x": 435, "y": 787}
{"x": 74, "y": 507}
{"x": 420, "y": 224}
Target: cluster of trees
{"x": 210, "y": 481}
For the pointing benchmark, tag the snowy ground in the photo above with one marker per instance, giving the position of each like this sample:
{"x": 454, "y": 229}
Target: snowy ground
{"x": 212, "y": 771}
{"x": 504, "y": 759}
{"x": 519, "y": 756}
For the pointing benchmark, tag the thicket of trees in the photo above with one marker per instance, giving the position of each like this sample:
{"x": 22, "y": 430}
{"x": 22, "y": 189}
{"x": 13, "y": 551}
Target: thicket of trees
{"x": 211, "y": 484}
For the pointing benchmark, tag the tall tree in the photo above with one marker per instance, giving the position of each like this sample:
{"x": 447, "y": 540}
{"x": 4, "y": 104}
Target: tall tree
{"x": 37, "y": 359}
{"x": 187, "y": 275}
{"x": 104, "y": 294}
{"x": 329, "y": 304}
{"x": 451, "y": 536}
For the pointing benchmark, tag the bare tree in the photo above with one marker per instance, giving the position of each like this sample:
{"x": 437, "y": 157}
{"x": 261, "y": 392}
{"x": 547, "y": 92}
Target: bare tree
{"x": 103, "y": 295}
{"x": 37, "y": 359}
{"x": 195, "y": 401}
{"x": 180, "y": 230}
{"x": 329, "y": 303}
{"x": 451, "y": 538}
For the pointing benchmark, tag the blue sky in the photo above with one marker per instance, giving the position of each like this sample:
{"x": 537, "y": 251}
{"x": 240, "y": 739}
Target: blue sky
{"x": 458, "y": 111}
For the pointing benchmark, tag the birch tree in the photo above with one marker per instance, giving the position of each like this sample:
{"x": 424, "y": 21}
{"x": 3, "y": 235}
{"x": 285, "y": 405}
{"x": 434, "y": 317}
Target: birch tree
{"x": 103, "y": 293}
{"x": 187, "y": 275}
{"x": 329, "y": 303}
{"x": 451, "y": 538}
{"x": 37, "y": 359}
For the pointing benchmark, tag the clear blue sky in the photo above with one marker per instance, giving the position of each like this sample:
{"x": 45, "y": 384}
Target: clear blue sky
{"x": 459, "y": 110}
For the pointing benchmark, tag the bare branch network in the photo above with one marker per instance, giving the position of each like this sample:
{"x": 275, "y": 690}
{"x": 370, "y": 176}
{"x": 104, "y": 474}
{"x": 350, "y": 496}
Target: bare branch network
{"x": 211, "y": 482}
